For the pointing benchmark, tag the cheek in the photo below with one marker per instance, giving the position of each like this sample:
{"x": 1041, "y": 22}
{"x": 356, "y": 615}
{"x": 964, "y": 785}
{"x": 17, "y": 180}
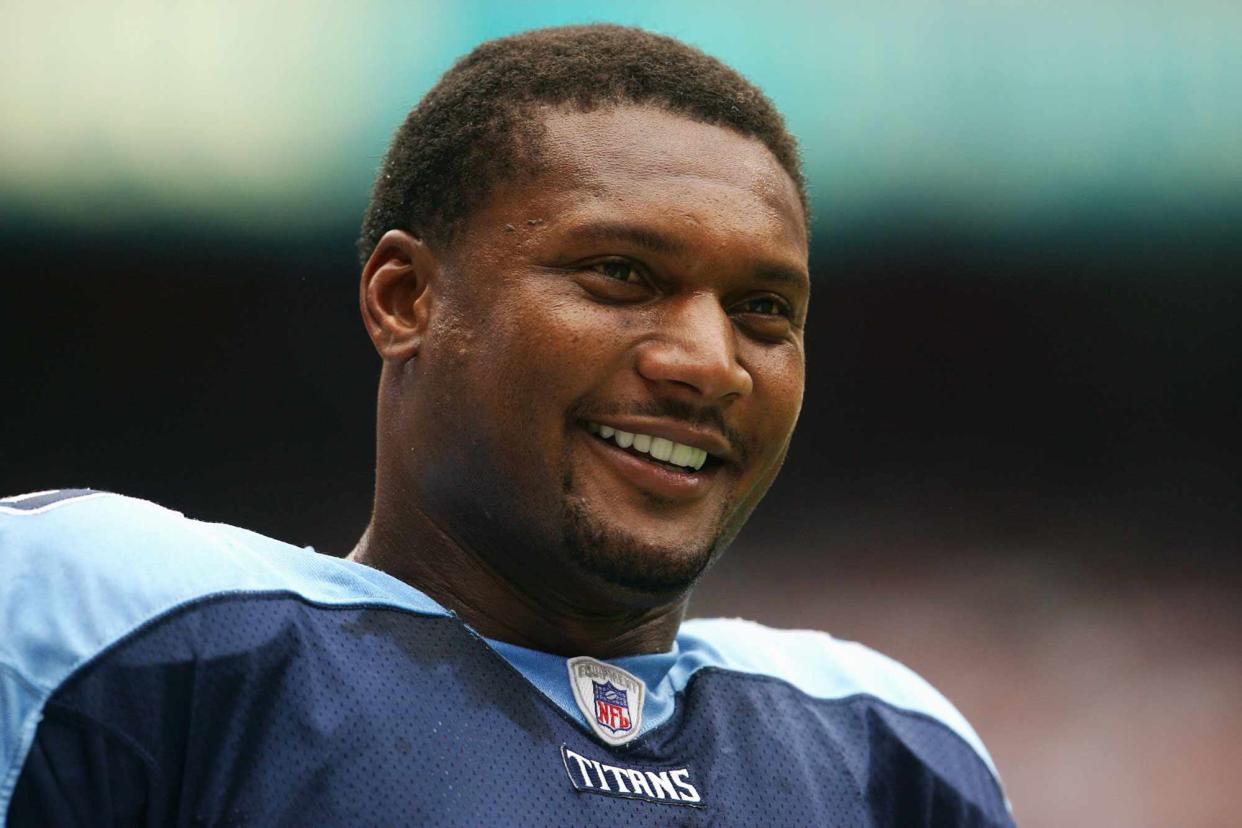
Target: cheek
{"x": 777, "y": 400}
{"x": 544, "y": 359}
{"x": 780, "y": 377}
{"x": 558, "y": 345}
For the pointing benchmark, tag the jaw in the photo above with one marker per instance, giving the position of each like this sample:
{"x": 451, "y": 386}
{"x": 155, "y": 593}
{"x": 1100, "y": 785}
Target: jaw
{"x": 637, "y": 524}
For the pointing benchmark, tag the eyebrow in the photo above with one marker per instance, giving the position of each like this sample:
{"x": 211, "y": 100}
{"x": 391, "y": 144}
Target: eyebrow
{"x": 653, "y": 240}
{"x": 780, "y": 274}
{"x": 658, "y": 242}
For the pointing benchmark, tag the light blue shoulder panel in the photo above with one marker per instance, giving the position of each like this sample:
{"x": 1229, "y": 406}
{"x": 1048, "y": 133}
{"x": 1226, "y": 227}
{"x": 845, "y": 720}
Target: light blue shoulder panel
{"x": 79, "y": 571}
{"x": 817, "y": 664}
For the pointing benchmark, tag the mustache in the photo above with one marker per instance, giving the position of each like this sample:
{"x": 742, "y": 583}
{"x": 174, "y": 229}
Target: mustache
{"x": 701, "y": 417}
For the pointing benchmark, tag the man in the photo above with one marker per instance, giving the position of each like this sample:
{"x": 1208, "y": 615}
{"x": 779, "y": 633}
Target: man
{"x": 585, "y": 271}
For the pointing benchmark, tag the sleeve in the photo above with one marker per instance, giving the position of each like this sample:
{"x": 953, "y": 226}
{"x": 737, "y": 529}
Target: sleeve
{"x": 80, "y": 773}
{"x": 57, "y": 767}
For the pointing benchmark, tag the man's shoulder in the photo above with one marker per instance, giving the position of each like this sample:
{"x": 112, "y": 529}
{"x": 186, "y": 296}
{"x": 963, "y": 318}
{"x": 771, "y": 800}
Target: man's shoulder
{"x": 890, "y": 726}
{"x": 78, "y": 543}
{"x": 106, "y": 539}
{"x": 83, "y": 569}
{"x": 827, "y": 668}
{"x": 89, "y": 527}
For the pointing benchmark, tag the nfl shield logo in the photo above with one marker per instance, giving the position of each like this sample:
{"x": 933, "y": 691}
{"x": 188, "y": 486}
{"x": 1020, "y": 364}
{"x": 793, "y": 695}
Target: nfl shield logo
{"x": 611, "y": 699}
{"x": 611, "y": 711}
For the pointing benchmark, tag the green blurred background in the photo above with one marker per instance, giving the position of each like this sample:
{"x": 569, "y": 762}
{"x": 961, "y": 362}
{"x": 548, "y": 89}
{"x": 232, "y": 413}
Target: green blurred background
{"x": 267, "y": 117}
{"x": 1018, "y": 463}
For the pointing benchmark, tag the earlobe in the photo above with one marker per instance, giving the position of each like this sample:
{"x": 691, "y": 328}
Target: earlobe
{"x": 396, "y": 293}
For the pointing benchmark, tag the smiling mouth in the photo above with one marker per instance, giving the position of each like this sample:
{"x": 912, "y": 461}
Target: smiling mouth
{"x": 658, "y": 451}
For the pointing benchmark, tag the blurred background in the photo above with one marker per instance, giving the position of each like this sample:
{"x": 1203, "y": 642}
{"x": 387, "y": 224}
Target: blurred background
{"x": 1017, "y": 467}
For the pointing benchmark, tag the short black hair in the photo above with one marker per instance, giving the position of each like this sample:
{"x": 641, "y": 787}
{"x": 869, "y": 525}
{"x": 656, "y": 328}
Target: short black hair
{"x": 475, "y": 129}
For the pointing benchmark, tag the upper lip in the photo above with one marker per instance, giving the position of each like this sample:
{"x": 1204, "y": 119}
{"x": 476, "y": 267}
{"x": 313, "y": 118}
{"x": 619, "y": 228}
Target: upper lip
{"x": 712, "y": 442}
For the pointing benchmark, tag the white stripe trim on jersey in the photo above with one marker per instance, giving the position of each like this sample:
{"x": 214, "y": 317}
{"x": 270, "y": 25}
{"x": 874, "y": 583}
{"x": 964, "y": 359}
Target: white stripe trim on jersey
{"x": 20, "y": 497}
{"x": 56, "y": 504}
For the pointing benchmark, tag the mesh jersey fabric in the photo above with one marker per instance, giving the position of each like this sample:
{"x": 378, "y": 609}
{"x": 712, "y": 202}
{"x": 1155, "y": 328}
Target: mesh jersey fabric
{"x": 162, "y": 671}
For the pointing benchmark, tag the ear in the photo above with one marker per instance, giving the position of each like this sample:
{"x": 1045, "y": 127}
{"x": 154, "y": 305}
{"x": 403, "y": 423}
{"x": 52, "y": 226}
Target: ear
{"x": 396, "y": 294}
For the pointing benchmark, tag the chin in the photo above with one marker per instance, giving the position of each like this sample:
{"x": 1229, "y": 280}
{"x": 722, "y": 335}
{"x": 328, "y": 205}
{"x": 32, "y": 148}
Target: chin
{"x": 622, "y": 559}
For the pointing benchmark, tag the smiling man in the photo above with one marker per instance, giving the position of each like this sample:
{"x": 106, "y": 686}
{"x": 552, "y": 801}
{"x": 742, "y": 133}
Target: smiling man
{"x": 589, "y": 389}
{"x": 585, "y": 271}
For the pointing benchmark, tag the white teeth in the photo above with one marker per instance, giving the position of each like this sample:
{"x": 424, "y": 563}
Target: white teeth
{"x": 661, "y": 448}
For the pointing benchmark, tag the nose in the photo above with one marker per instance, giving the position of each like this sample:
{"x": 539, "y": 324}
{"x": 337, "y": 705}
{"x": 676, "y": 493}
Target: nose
{"x": 694, "y": 355}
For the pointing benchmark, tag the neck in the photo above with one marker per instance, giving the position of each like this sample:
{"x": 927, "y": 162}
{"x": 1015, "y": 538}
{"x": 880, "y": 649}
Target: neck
{"x": 534, "y": 615}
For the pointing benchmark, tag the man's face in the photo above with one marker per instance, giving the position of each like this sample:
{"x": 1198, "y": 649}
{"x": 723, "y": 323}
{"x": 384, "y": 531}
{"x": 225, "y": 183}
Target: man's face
{"x": 615, "y": 359}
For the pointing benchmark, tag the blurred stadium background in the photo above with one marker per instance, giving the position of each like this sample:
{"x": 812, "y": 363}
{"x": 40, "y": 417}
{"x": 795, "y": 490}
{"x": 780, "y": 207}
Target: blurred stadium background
{"x": 1017, "y": 468}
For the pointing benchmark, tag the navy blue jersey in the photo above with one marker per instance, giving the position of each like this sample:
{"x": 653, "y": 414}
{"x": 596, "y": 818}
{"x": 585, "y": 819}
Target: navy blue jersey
{"x": 158, "y": 670}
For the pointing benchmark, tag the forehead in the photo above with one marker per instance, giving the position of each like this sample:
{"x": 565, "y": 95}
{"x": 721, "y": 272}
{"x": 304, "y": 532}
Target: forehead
{"x": 651, "y": 164}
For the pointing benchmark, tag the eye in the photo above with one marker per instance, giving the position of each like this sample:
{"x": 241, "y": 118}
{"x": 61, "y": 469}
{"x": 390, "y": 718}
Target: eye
{"x": 765, "y": 306}
{"x": 618, "y": 269}
{"x": 615, "y": 280}
{"x": 766, "y": 317}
